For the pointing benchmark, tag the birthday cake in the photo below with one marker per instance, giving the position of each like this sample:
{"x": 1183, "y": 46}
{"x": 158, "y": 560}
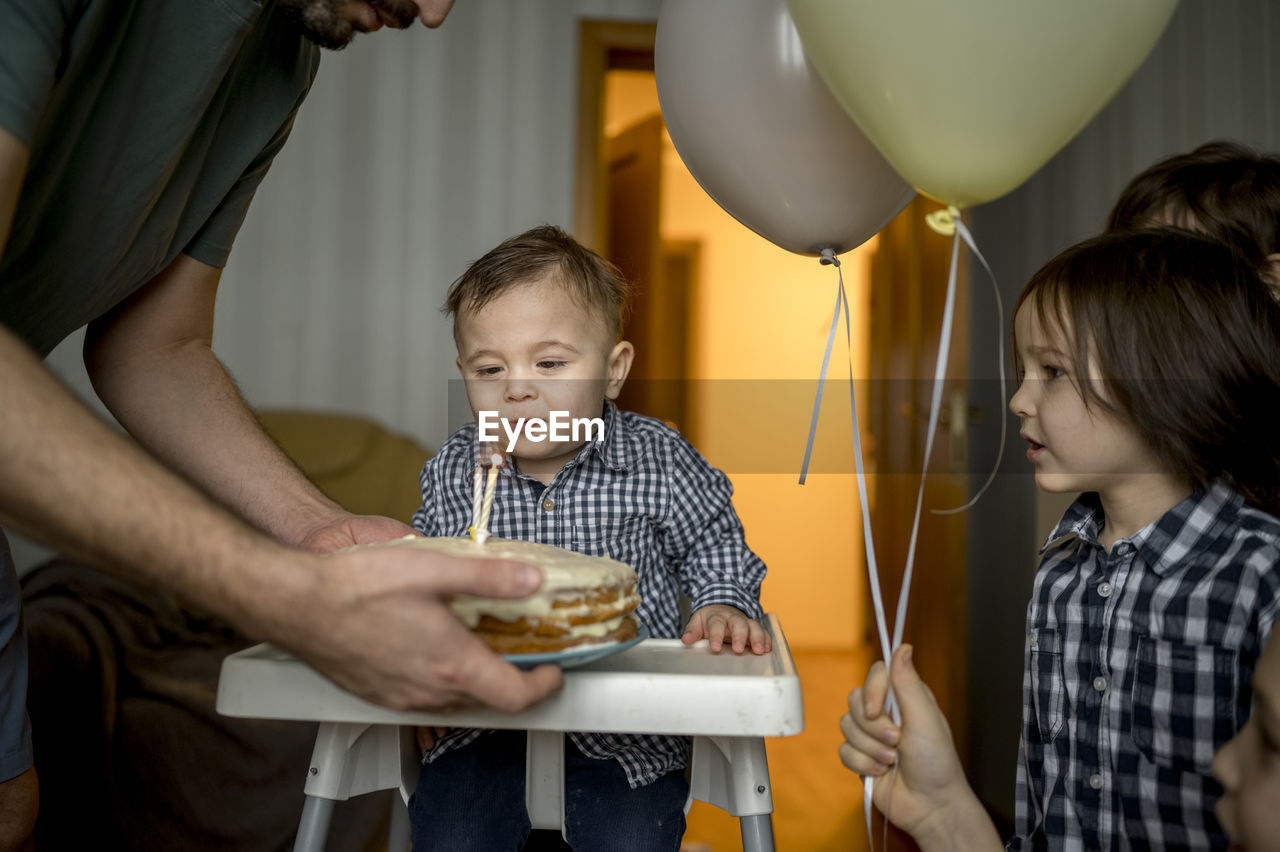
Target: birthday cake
{"x": 584, "y": 600}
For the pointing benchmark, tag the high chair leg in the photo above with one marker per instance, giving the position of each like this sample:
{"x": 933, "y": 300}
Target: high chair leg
{"x": 398, "y": 832}
{"x": 313, "y": 829}
{"x": 732, "y": 773}
{"x": 544, "y": 779}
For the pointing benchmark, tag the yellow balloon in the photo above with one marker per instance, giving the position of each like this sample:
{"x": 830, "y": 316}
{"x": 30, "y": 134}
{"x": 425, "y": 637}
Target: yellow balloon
{"x": 966, "y": 99}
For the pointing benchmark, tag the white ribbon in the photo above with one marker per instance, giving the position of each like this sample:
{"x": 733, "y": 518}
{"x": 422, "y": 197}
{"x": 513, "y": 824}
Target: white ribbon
{"x": 946, "y": 222}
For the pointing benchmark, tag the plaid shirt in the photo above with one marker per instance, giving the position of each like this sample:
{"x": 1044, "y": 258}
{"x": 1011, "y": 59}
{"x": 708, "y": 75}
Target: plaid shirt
{"x": 1138, "y": 669}
{"x": 642, "y": 495}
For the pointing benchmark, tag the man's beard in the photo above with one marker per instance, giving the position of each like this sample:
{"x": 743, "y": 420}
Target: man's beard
{"x": 323, "y": 22}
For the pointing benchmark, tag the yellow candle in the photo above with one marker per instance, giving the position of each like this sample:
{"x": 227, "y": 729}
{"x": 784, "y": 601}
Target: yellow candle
{"x": 482, "y": 526}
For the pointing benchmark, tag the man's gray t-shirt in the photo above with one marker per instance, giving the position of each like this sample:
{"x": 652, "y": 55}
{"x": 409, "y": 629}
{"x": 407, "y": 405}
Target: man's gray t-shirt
{"x": 150, "y": 124}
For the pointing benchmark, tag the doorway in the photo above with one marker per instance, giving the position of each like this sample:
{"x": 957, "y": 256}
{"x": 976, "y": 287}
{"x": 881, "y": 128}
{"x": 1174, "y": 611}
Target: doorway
{"x": 735, "y": 328}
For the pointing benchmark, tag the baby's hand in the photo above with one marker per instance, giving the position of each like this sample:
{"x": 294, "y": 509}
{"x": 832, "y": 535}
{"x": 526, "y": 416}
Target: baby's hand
{"x": 720, "y": 623}
{"x": 428, "y": 736}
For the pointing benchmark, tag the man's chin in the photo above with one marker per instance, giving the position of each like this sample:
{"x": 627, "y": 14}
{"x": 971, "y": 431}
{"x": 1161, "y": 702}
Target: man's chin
{"x": 332, "y": 24}
{"x": 329, "y": 41}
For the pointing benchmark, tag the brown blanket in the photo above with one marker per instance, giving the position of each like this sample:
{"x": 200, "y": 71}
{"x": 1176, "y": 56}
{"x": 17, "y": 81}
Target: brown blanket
{"x": 130, "y": 751}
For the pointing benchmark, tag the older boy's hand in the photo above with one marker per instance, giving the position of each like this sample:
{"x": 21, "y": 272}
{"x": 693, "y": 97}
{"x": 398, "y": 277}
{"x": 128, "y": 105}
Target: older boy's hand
{"x": 928, "y": 795}
{"x": 720, "y": 623}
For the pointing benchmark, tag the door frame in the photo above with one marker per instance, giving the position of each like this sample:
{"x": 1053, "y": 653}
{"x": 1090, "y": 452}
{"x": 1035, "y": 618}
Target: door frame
{"x": 604, "y": 46}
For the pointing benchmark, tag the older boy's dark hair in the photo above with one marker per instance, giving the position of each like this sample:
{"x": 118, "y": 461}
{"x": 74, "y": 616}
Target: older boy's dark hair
{"x": 592, "y": 282}
{"x": 1223, "y": 188}
{"x": 1185, "y": 335}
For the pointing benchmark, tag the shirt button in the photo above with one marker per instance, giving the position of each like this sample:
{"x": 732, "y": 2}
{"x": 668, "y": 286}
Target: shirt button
{"x": 1100, "y": 683}
{"x": 548, "y": 504}
{"x": 1095, "y": 781}
{"x": 1105, "y": 589}
{"x": 1035, "y": 642}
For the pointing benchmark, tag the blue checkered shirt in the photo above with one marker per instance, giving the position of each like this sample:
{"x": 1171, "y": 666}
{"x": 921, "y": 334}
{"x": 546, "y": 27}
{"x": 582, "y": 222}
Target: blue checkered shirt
{"x": 642, "y": 495}
{"x": 1138, "y": 669}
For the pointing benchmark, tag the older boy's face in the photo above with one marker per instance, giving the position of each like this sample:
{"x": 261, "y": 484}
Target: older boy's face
{"x": 1248, "y": 767}
{"x": 1073, "y": 447}
{"x": 532, "y": 351}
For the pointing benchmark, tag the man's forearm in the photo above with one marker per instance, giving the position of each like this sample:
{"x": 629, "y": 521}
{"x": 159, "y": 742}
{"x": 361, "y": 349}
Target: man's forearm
{"x": 152, "y": 365}
{"x": 71, "y": 481}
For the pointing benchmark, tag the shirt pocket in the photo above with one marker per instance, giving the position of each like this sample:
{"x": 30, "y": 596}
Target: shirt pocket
{"x": 1048, "y": 691}
{"x": 626, "y": 539}
{"x": 1184, "y": 702}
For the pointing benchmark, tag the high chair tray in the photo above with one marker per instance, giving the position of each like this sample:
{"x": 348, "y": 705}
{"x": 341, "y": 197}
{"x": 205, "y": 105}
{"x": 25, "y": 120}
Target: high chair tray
{"x": 659, "y": 686}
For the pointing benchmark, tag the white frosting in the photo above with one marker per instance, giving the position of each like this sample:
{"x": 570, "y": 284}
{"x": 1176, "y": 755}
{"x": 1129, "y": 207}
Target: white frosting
{"x": 566, "y": 575}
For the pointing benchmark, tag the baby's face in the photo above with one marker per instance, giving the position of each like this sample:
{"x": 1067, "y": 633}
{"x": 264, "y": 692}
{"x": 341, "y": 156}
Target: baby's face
{"x": 532, "y": 351}
{"x": 1248, "y": 767}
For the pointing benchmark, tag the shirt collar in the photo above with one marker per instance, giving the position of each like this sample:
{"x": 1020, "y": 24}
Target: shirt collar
{"x": 611, "y": 448}
{"x": 1193, "y": 525}
{"x": 1082, "y": 519}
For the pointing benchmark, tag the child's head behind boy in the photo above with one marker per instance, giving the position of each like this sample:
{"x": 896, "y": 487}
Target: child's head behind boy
{"x": 1151, "y": 366}
{"x": 1222, "y": 189}
{"x": 538, "y": 322}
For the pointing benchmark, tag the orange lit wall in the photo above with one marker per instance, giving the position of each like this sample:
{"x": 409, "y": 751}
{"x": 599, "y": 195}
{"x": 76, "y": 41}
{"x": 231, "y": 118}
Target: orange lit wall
{"x": 760, "y": 322}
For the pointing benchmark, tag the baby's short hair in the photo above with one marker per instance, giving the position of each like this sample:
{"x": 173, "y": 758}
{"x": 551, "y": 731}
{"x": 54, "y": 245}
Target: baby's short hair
{"x": 591, "y": 281}
{"x": 1223, "y": 189}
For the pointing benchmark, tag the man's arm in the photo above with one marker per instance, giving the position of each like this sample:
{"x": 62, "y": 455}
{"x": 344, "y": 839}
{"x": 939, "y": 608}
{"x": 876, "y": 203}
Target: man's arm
{"x": 152, "y": 363}
{"x": 374, "y": 622}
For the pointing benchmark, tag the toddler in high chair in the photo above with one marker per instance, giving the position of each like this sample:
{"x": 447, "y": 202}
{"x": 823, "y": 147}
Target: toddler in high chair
{"x": 537, "y": 322}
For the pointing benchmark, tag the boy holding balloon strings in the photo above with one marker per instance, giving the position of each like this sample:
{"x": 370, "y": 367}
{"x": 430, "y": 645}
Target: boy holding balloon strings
{"x": 1222, "y": 189}
{"x": 1149, "y": 363}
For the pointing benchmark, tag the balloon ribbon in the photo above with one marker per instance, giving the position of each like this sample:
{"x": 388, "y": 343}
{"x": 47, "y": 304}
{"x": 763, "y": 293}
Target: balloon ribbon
{"x": 949, "y": 223}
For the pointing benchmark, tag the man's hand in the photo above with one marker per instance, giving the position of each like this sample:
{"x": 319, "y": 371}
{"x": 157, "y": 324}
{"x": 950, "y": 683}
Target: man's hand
{"x": 927, "y": 795}
{"x": 376, "y": 622}
{"x": 345, "y": 530}
{"x": 719, "y": 623}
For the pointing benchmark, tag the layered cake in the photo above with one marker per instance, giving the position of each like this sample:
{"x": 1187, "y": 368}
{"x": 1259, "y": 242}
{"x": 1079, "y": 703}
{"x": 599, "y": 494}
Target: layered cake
{"x": 584, "y": 600}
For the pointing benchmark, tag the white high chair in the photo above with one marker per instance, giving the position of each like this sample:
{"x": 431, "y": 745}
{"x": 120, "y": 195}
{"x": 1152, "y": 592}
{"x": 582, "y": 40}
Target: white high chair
{"x": 727, "y": 703}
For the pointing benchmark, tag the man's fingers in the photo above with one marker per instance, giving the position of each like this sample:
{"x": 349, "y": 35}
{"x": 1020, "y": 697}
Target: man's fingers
{"x": 489, "y": 679}
{"x": 740, "y": 630}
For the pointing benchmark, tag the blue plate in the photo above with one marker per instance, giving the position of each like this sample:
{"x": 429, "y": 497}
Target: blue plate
{"x": 570, "y": 657}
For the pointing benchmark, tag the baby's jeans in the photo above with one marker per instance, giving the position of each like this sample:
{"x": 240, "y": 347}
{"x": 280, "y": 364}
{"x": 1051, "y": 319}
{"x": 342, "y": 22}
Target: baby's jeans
{"x": 472, "y": 800}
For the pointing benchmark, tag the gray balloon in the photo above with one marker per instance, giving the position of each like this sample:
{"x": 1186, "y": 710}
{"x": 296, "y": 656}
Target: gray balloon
{"x": 761, "y": 133}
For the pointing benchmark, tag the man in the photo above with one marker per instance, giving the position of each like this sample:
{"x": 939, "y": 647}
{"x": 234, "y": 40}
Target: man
{"x": 133, "y": 134}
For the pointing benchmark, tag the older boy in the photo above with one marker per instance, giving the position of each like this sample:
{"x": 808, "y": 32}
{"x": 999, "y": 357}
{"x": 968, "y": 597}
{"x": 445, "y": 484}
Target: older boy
{"x": 537, "y": 324}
